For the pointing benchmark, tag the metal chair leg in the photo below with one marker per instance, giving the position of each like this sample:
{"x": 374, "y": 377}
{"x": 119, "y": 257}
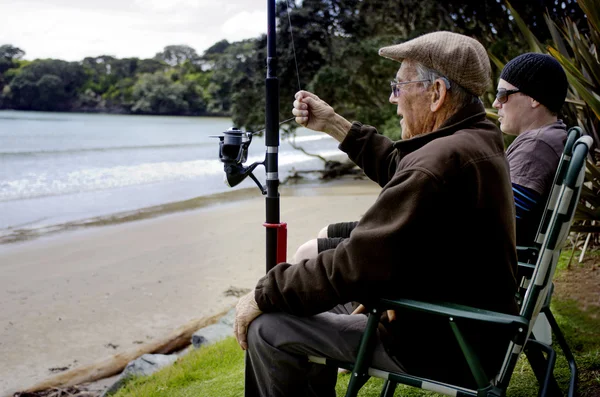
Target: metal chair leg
{"x": 389, "y": 387}
{"x": 359, "y": 375}
{"x": 543, "y": 367}
{"x": 562, "y": 342}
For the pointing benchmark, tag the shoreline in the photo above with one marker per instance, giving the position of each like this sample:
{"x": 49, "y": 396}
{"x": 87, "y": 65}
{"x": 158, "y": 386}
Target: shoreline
{"x": 14, "y": 235}
{"x": 71, "y": 299}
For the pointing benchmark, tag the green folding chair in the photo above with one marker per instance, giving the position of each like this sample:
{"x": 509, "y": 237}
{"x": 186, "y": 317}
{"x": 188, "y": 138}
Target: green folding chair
{"x": 517, "y": 328}
{"x": 527, "y": 257}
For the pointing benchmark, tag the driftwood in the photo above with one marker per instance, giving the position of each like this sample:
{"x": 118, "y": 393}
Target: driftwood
{"x": 110, "y": 366}
{"x": 331, "y": 170}
{"x": 68, "y": 392}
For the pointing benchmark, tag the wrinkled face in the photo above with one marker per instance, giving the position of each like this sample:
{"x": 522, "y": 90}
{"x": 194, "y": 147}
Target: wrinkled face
{"x": 515, "y": 114}
{"x": 413, "y": 102}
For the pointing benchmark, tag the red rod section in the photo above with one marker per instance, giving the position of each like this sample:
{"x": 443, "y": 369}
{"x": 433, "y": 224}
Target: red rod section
{"x": 281, "y": 239}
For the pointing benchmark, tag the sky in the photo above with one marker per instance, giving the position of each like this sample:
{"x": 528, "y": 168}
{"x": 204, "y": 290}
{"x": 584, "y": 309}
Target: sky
{"x": 74, "y": 29}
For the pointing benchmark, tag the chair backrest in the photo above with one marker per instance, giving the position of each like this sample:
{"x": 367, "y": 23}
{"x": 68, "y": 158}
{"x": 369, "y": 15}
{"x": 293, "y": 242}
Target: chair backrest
{"x": 567, "y": 196}
{"x": 573, "y": 135}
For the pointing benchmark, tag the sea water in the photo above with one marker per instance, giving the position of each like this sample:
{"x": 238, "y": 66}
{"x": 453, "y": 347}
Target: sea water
{"x": 57, "y": 168}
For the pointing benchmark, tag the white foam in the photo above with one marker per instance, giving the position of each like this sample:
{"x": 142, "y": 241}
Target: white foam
{"x": 308, "y": 138}
{"x": 91, "y": 179}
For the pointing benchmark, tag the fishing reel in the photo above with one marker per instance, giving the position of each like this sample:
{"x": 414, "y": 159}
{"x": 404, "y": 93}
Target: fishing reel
{"x": 233, "y": 152}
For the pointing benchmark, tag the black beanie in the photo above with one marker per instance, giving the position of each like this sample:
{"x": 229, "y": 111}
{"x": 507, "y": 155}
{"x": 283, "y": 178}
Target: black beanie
{"x": 539, "y": 76}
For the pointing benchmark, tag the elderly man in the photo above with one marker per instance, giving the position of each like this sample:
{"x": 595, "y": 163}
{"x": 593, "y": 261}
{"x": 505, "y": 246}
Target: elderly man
{"x": 442, "y": 229}
{"x": 533, "y": 157}
{"x": 531, "y": 91}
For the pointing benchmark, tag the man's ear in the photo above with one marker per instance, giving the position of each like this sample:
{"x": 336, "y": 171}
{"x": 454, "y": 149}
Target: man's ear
{"x": 534, "y": 103}
{"x": 439, "y": 95}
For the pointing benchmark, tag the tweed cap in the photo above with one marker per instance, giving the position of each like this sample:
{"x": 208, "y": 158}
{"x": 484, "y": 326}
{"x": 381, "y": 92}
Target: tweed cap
{"x": 540, "y": 76}
{"x": 458, "y": 57}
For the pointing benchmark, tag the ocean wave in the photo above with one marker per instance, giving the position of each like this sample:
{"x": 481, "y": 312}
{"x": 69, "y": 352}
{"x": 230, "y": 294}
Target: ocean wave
{"x": 91, "y": 179}
{"x": 50, "y": 152}
{"x": 105, "y": 149}
{"x": 308, "y": 138}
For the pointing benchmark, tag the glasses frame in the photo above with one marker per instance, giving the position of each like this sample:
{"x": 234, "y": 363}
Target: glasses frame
{"x": 502, "y": 95}
{"x": 395, "y": 85}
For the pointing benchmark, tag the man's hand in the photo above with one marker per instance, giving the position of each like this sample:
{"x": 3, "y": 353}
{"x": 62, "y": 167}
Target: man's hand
{"x": 246, "y": 311}
{"x": 311, "y": 112}
{"x": 390, "y": 313}
{"x": 314, "y": 113}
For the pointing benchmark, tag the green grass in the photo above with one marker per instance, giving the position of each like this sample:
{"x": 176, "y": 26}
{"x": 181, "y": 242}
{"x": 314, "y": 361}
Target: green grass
{"x": 218, "y": 370}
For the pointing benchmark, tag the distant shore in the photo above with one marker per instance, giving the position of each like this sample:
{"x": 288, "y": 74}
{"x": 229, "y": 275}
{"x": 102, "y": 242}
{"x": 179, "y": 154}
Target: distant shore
{"x": 72, "y": 298}
{"x": 118, "y": 110}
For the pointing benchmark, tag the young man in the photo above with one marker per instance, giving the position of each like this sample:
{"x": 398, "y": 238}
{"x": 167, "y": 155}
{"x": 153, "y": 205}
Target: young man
{"x": 441, "y": 229}
{"x": 531, "y": 92}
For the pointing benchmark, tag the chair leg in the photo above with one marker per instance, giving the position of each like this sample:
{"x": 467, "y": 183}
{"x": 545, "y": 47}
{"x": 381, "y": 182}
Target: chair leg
{"x": 560, "y": 338}
{"x": 389, "y": 387}
{"x": 359, "y": 375}
{"x": 543, "y": 368}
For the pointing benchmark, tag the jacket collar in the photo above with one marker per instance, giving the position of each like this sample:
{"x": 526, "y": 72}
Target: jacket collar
{"x": 465, "y": 116}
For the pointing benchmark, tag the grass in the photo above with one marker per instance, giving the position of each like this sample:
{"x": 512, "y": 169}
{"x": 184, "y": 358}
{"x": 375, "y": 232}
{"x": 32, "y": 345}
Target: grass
{"x": 218, "y": 370}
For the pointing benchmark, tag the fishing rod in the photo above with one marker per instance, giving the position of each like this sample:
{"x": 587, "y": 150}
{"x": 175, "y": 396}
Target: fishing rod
{"x": 233, "y": 151}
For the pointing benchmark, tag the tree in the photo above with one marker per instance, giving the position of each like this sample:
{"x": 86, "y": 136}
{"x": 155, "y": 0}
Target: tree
{"x": 158, "y": 94}
{"x": 50, "y": 91}
{"x": 231, "y": 70}
{"x": 32, "y": 87}
{"x": 9, "y": 56}
{"x": 174, "y": 55}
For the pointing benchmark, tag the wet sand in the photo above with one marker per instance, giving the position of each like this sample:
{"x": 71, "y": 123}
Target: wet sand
{"x": 72, "y": 298}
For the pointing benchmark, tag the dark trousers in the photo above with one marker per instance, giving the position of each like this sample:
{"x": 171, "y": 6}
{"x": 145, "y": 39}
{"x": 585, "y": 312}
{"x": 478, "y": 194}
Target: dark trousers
{"x": 279, "y": 343}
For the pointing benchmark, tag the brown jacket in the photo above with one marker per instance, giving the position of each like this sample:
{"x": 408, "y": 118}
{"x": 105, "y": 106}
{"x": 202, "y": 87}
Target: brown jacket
{"x": 442, "y": 229}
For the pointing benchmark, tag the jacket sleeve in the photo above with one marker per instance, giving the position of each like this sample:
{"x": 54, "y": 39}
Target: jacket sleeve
{"x": 372, "y": 152}
{"x": 361, "y": 267}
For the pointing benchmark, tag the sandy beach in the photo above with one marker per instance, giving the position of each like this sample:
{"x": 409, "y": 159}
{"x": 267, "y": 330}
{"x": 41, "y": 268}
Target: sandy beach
{"x": 72, "y": 298}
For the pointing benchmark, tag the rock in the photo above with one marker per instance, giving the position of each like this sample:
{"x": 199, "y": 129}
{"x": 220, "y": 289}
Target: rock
{"x": 143, "y": 366}
{"x": 211, "y": 334}
{"x": 148, "y": 364}
{"x": 215, "y": 332}
{"x": 228, "y": 318}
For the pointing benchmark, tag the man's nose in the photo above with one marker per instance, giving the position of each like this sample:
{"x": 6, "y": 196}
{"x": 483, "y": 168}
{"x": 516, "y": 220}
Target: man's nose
{"x": 393, "y": 98}
{"x": 496, "y": 104}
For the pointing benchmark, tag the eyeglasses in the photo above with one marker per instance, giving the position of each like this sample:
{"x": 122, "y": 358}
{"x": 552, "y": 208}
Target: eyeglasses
{"x": 397, "y": 84}
{"x": 502, "y": 95}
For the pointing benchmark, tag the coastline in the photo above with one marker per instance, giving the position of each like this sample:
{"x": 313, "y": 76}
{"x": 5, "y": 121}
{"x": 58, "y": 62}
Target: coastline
{"x": 72, "y": 298}
{"x": 21, "y": 234}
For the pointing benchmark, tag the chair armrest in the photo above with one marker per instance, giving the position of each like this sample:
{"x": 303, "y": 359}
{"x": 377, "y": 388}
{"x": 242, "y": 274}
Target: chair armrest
{"x": 456, "y": 311}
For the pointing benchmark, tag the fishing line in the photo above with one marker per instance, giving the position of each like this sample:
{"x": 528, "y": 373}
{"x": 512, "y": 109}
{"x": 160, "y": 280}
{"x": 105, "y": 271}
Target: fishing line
{"x": 287, "y": 3}
{"x": 283, "y": 122}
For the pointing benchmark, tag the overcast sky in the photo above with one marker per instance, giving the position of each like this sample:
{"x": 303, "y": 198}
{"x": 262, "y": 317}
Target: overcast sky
{"x": 73, "y": 29}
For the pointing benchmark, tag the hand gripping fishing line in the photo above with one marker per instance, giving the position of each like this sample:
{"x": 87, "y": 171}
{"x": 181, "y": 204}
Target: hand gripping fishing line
{"x": 234, "y": 143}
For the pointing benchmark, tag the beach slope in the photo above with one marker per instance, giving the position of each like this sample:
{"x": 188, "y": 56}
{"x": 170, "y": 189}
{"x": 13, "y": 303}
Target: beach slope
{"x": 73, "y": 298}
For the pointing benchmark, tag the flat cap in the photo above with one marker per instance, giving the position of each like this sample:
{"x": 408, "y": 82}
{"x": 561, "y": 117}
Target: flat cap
{"x": 460, "y": 58}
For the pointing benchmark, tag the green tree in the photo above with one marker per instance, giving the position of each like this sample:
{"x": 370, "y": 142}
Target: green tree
{"x": 9, "y": 57}
{"x": 158, "y": 94}
{"x": 32, "y": 86}
{"x": 174, "y": 55}
{"x": 230, "y": 70}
